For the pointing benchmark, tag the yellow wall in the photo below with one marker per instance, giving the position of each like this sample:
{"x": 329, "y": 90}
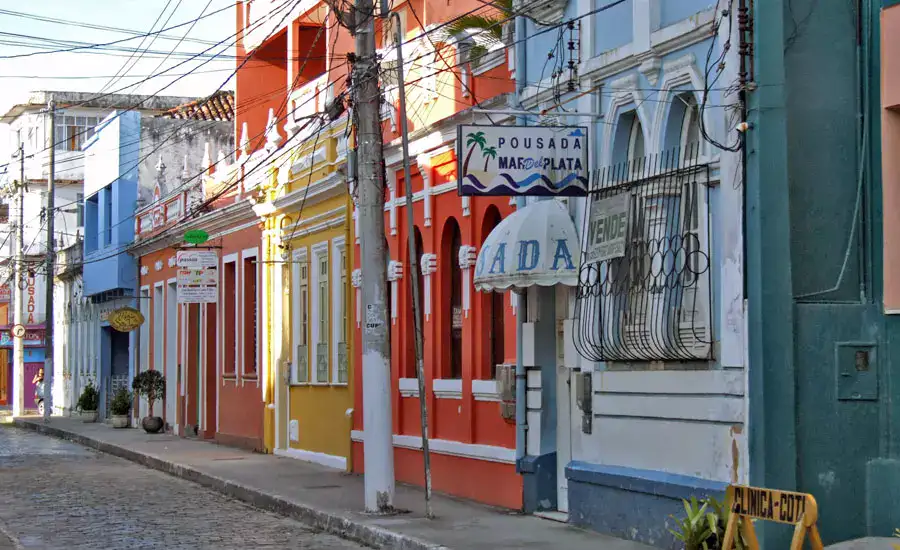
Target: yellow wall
{"x": 320, "y": 409}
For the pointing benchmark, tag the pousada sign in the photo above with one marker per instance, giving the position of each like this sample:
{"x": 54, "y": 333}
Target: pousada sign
{"x": 522, "y": 160}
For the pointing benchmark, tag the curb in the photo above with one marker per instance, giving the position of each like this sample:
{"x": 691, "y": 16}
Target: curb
{"x": 327, "y": 522}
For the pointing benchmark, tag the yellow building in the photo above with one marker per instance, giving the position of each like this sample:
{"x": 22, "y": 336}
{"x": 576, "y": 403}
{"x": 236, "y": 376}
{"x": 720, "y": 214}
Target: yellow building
{"x": 307, "y": 271}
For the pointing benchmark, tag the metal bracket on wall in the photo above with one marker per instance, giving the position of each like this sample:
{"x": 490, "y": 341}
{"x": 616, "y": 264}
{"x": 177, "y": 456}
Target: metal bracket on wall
{"x": 856, "y": 366}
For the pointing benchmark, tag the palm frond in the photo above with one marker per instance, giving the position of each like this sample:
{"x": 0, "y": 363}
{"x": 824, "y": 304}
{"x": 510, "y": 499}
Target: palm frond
{"x": 491, "y": 27}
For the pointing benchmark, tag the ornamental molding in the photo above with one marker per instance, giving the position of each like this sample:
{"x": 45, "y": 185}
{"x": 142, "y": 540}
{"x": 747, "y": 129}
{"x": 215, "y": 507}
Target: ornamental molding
{"x": 395, "y": 271}
{"x": 467, "y": 255}
{"x": 429, "y": 263}
{"x": 650, "y": 69}
{"x": 546, "y": 12}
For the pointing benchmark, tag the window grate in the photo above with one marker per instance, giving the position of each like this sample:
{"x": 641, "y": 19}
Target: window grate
{"x": 651, "y": 303}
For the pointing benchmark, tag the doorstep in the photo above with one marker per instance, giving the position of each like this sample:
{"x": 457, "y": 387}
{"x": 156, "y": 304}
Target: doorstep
{"x": 327, "y": 499}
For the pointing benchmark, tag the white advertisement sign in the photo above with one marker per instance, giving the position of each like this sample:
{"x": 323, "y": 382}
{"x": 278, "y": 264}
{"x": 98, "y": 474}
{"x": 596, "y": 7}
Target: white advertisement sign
{"x": 196, "y": 259}
{"x": 607, "y": 229}
{"x": 522, "y": 160}
{"x": 197, "y": 276}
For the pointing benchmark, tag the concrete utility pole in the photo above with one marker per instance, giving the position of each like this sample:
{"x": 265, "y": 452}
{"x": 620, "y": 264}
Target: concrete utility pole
{"x": 413, "y": 266}
{"x": 19, "y": 295}
{"x": 51, "y": 252}
{"x": 376, "y": 368}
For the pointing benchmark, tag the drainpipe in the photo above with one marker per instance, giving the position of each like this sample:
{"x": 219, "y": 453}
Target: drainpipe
{"x": 521, "y": 82}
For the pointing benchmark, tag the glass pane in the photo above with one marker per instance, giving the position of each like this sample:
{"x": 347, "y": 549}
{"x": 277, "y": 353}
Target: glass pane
{"x": 81, "y": 121}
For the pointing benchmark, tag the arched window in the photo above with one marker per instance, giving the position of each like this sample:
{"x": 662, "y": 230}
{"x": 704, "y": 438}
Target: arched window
{"x": 410, "y": 368}
{"x": 493, "y": 312}
{"x": 636, "y": 147}
{"x": 689, "y": 138}
{"x": 451, "y": 241}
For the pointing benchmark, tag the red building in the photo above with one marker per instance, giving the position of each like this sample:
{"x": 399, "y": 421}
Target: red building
{"x": 466, "y": 334}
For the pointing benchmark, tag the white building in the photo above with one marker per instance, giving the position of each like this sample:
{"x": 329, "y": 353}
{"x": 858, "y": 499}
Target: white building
{"x": 29, "y": 126}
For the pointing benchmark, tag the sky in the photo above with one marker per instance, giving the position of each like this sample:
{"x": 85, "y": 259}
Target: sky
{"x": 91, "y": 70}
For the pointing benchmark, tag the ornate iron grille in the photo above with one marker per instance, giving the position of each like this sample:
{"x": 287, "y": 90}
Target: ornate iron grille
{"x": 651, "y": 303}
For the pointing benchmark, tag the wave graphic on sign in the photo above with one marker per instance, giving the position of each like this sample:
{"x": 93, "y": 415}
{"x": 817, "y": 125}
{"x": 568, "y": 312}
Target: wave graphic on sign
{"x": 535, "y": 184}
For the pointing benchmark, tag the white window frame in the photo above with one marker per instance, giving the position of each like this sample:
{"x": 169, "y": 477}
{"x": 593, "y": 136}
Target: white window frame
{"x": 246, "y": 254}
{"x": 145, "y": 329}
{"x": 339, "y": 312}
{"x": 317, "y": 250}
{"x": 231, "y": 258}
{"x": 300, "y": 260}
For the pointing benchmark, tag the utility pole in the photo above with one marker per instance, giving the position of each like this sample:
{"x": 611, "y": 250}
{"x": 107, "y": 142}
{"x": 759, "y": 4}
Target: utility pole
{"x": 413, "y": 266}
{"x": 19, "y": 295}
{"x": 376, "y": 368}
{"x": 51, "y": 252}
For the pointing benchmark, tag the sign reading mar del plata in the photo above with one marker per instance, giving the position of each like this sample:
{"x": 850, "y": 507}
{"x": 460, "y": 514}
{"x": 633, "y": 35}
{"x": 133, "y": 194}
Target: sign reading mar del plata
{"x": 522, "y": 160}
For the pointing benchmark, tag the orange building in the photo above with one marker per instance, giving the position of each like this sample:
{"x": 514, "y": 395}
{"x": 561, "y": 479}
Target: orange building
{"x": 466, "y": 334}
{"x": 208, "y": 345}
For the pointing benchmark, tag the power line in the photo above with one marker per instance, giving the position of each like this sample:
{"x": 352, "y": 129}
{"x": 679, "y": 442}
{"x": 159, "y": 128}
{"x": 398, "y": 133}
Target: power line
{"x": 178, "y": 26}
{"x": 70, "y": 23}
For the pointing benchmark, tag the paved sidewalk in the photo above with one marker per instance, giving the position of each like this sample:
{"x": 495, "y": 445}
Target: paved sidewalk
{"x": 327, "y": 499}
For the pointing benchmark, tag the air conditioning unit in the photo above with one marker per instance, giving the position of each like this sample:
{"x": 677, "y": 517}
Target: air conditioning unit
{"x": 506, "y": 387}
{"x": 506, "y": 382}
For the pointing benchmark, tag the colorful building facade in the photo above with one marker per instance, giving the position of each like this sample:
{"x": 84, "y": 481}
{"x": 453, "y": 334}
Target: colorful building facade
{"x": 466, "y": 335}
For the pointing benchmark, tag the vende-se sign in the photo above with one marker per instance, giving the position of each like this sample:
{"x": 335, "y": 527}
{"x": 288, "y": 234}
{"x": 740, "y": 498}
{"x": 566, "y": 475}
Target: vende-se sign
{"x": 607, "y": 229}
{"x": 522, "y": 160}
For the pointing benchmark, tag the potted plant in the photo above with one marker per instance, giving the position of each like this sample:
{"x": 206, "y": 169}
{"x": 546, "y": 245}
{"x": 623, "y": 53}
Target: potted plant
{"x": 88, "y": 403}
{"x": 119, "y": 408}
{"x": 704, "y": 524}
{"x": 152, "y": 385}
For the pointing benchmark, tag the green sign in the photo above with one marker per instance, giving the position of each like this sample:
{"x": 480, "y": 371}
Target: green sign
{"x": 196, "y": 236}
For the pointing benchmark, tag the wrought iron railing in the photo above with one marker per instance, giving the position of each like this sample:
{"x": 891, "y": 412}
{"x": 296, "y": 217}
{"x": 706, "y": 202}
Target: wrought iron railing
{"x": 647, "y": 298}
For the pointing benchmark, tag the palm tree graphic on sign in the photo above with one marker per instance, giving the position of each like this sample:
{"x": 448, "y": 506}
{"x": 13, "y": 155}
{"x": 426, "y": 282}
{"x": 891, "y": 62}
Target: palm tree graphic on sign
{"x": 472, "y": 140}
{"x": 488, "y": 153}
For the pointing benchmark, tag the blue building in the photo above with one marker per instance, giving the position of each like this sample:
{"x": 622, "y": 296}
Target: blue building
{"x": 109, "y": 272}
{"x": 633, "y": 382}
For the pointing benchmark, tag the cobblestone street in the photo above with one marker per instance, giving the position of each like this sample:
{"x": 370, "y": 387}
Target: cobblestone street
{"x": 56, "y": 494}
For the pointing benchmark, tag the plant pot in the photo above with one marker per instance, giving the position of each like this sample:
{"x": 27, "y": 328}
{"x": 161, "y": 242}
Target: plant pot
{"x": 87, "y": 416}
{"x": 120, "y": 420}
{"x": 152, "y": 424}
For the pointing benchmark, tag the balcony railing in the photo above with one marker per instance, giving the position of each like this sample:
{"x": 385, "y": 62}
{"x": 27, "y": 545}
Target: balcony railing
{"x": 305, "y": 101}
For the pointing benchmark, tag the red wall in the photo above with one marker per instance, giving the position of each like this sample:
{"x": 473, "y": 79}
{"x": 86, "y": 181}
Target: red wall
{"x": 239, "y": 400}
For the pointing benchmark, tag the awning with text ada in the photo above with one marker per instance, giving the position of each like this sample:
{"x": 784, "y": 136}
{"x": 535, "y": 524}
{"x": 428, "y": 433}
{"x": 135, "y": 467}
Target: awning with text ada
{"x": 537, "y": 245}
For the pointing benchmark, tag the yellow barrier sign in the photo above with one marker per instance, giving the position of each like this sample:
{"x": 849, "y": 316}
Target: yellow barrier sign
{"x": 749, "y": 503}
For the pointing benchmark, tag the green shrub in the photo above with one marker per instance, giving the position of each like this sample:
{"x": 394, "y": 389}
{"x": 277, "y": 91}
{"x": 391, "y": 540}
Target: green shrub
{"x": 121, "y": 402}
{"x": 704, "y": 524}
{"x": 89, "y": 400}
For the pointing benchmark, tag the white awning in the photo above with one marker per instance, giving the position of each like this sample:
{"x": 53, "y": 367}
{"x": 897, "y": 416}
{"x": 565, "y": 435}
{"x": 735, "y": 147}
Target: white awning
{"x": 537, "y": 245}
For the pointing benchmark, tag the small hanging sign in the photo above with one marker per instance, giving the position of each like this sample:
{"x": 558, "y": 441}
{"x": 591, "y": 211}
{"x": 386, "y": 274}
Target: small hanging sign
{"x": 196, "y": 236}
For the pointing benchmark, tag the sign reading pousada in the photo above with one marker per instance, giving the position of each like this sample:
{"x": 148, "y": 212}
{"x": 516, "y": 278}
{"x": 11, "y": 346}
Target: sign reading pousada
{"x": 522, "y": 160}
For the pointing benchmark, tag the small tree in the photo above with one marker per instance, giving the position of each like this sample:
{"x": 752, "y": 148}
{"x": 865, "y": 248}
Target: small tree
{"x": 152, "y": 385}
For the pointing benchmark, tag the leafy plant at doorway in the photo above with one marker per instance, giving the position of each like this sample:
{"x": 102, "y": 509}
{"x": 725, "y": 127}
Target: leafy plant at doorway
{"x": 152, "y": 386}
{"x": 88, "y": 402}
{"x": 703, "y": 526}
{"x": 119, "y": 408}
